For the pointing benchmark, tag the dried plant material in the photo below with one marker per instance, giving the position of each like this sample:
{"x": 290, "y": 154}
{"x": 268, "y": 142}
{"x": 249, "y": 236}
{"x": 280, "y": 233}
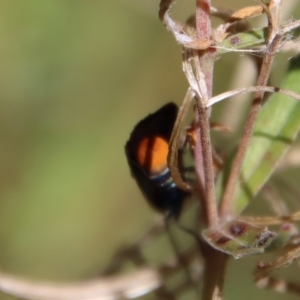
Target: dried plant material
{"x": 240, "y": 15}
{"x": 178, "y": 29}
{"x": 264, "y": 270}
{"x": 175, "y": 27}
{"x": 174, "y": 140}
{"x": 141, "y": 281}
{"x": 199, "y": 44}
{"x": 274, "y": 220}
{"x": 246, "y": 13}
{"x": 273, "y": 16}
{"x": 289, "y": 27}
{"x": 130, "y": 286}
{"x": 237, "y": 42}
{"x": 195, "y": 74}
{"x": 250, "y": 89}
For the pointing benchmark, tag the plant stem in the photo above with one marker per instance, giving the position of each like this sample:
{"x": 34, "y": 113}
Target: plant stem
{"x": 214, "y": 261}
{"x": 264, "y": 74}
{"x": 211, "y": 212}
{"x": 203, "y": 23}
{"x": 203, "y": 154}
{"x": 214, "y": 272}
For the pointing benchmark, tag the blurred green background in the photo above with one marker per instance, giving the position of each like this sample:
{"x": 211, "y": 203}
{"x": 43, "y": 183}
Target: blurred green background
{"x": 75, "y": 77}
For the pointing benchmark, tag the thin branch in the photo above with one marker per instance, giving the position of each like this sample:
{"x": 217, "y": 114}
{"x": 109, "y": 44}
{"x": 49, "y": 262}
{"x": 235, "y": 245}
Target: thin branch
{"x": 273, "y": 220}
{"x": 210, "y": 199}
{"x": 132, "y": 285}
{"x": 200, "y": 82}
{"x": 250, "y": 89}
{"x": 264, "y": 270}
{"x": 214, "y": 273}
{"x": 228, "y": 197}
{"x": 137, "y": 283}
{"x": 203, "y": 74}
{"x": 215, "y": 261}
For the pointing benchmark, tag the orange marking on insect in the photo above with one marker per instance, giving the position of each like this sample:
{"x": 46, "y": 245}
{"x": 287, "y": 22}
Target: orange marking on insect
{"x": 192, "y": 137}
{"x": 152, "y": 154}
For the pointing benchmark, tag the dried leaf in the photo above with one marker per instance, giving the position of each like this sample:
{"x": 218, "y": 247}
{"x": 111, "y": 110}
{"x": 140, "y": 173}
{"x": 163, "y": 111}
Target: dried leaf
{"x": 246, "y": 12}
{"x": 199, "y": 44}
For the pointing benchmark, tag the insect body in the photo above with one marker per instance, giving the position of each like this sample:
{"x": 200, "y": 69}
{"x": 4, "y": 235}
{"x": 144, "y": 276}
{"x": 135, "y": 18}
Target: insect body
{"x": 147, "y": 151}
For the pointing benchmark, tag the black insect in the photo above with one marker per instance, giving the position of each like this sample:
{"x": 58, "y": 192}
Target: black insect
{"x": 147, "y": 151}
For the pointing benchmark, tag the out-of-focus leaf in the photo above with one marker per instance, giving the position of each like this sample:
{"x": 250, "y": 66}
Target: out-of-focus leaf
{"x": 276, "y": 128}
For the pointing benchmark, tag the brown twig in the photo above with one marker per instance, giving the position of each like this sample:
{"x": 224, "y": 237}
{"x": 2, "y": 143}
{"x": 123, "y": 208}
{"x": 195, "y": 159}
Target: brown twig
{"x": 264, "y": 74}
{"x": 214, "y": 261}
{"x": 210, "y": 199}
{"x": 137, "y": 283}
{"x": 203, "y": 145}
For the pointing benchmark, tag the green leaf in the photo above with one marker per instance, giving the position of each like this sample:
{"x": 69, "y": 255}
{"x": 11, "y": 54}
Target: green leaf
{"x": 244, "y": 40}
{"x": 239, "y": 238}
{"x": 276, "y": 128}
{"x": 253, "y": 38}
